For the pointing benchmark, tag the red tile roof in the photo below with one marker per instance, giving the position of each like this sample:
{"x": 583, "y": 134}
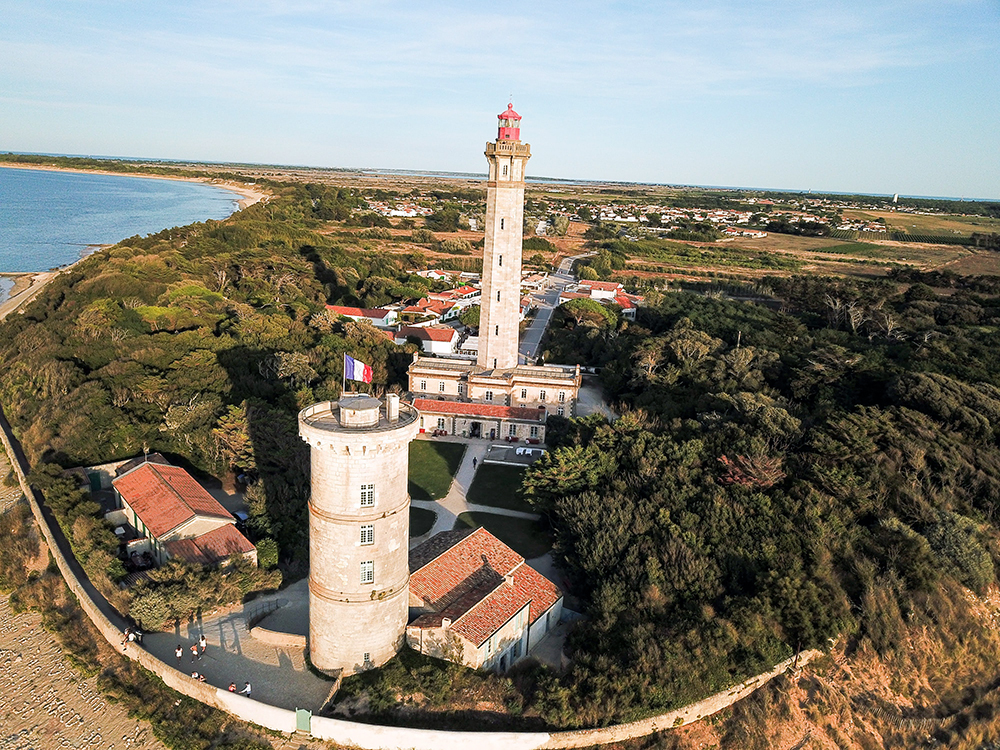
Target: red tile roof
{"x": 479, "y": 410}
{"x": 489, "y": 615}
{"x": 606, "y": 286}
{"x": 428, "y": 333}
{"x": 359, "y": 312}
{"x": 438, "y": 581}
{"x": 164, "y": 497}
{"x": 212, "y": 547}
{"x": 478, "y": 582}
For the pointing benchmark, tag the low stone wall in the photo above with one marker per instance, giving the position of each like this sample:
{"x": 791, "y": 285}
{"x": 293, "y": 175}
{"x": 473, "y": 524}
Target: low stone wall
{"x": 371, "y": 736}
{"x": 375, "y": 737}
{"x": 679, "y": 717}
{"x": 276, "y": 638}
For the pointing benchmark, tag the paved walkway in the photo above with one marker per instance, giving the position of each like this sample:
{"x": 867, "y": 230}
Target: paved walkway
{"x": 455, "y": 503}
{"x": 278, "y": 675}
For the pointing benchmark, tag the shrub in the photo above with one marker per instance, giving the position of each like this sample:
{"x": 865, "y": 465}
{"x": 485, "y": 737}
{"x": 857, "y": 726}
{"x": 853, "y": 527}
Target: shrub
{"x": 422, "y": 236}
{"x": 456, "y": 246}
{"x": 267, "y": 553}
{"x": 955, "y": 539}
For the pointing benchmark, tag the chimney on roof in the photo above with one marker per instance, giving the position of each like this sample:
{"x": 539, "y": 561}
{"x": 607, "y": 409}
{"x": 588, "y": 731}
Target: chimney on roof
{"x": 392, "y": 407}
{"x": 445, "y": 622}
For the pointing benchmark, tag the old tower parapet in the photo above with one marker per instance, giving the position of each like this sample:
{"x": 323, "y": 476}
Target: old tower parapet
{"x": 358, "y": 529}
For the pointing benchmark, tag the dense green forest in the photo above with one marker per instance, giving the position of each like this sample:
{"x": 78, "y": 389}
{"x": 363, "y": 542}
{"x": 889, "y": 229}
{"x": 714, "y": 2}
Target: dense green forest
{"x": 821, "y": 464}
{"x": 203, "y": 342}
{"x": 778, "y": 478}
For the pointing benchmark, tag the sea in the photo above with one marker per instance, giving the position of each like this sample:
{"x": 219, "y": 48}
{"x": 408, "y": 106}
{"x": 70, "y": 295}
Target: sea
{"x": 50, "y": 219}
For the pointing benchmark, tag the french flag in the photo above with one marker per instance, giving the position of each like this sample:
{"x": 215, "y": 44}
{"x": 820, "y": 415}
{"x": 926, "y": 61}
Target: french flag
{"x": 355, "y": 369}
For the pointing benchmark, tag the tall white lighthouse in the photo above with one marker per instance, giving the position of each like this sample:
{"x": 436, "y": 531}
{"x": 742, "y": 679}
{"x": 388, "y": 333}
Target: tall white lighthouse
{"x": 501, "y": 301}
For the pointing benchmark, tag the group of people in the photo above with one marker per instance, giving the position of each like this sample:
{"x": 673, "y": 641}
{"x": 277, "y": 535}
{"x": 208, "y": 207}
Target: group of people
{"x": 131, "y": 635}
{"x": 197, "y": 651}
{"x": 245, "y": 691}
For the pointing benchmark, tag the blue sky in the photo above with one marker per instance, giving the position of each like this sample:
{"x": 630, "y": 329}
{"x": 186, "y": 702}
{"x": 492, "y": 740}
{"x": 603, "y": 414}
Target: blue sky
{"x": 871, "y": 96}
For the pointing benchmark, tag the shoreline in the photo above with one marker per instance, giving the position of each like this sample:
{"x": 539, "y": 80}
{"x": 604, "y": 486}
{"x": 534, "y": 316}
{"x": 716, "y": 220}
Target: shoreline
{"x": 250, "y": 195}
{"x": 25, "y": 281}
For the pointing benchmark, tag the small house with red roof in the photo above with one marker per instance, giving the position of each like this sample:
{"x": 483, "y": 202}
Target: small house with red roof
{"x": 379, "y": 317}
{"x": 475, "y": 601}
{"x": 177, "y": 515}
{"x": 426, "y": 311}
{"x": 433, "y": 339}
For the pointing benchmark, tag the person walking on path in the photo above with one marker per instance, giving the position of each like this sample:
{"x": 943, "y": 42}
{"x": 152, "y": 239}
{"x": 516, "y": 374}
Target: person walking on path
{"x": 474, "y": 462}
{"x": 179, "y": 653}
{"x": 202, "y": 645}
{"x": 194, "y": 652}
{"x": 246, "y": 689}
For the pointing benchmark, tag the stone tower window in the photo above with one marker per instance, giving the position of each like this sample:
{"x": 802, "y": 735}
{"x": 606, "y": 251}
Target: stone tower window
{"x": 501, "y": 223}
{"x": 498, "y": 295}
{"x": 368, "y": 533}
{"x": 496, "y": 331}
{"x": 367, "y": 495}
{"x": 368, "y": 571}
{"x": 499, "y": 260}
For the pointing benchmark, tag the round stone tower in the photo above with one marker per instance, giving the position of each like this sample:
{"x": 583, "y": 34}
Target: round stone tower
{"x": 359, "y": 525}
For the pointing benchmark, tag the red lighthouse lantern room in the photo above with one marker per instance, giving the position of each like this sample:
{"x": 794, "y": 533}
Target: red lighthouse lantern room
{"x": 510, "y": 125}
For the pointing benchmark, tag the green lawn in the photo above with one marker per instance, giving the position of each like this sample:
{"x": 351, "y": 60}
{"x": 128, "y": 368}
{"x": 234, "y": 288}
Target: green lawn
{"x": 499, "y": 486}
{"x": 421, "y": 521}
{"x": 432, "y": 467}
{"x": 528, "y": 538}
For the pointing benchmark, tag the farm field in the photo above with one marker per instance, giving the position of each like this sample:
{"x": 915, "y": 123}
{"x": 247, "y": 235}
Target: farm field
{"x": 929, "y": 224}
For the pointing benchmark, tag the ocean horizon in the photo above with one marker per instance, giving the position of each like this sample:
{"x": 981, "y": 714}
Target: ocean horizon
{"x": 49, "y": 218}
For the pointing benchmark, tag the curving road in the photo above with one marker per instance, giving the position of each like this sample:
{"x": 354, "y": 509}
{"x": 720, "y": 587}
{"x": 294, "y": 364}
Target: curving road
{"x": 546, "y": 302}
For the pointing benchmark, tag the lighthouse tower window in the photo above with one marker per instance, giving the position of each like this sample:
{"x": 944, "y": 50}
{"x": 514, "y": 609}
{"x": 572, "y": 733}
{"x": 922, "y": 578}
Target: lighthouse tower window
{"x": 367, "y": 495}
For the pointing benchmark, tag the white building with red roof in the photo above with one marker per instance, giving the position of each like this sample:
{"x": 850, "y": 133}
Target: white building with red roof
{"x": 379, "y": 317}
{"x": 475, "y": 601}
{"x": 433, "y": 339}
{"x": 177, "y": 515}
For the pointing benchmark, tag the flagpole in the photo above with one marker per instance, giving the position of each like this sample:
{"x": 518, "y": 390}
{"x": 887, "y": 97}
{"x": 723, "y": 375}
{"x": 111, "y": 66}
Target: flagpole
{"x": 343, "y": 383}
